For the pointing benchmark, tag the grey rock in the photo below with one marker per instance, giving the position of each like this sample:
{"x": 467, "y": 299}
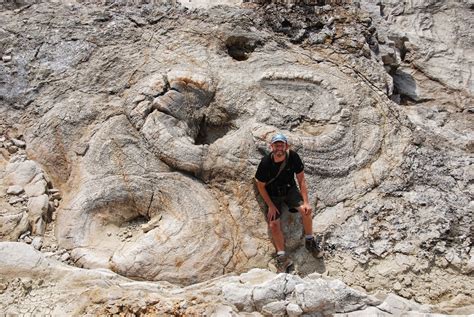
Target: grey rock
{"x": 6, "y": 58}
{"x": 274, "y": 290}
{"x": 19, "y": 143}
{"x": 315, "y": 298}
{"x": 24, "y": 235}
{"x": 15, "y": 190}
{"x": 65, "y": 257}
{"x": 37, "y": 210}
{"x": 369, "y": 311}
{"x": 275, "y": 309}
{"x": 15, "y": 200}
{"x": 394, "y": 304}
{"x": 293, "y": 310}
{"x": 36, "y": 187}
{"x": 37, "y": 243}
{"x": 240, "y": 296}
{"x": 12, "y": 149}
{"x": 348, "y": 299}
{"x": 20, "y": 171}
{"x": 21, "y": 265}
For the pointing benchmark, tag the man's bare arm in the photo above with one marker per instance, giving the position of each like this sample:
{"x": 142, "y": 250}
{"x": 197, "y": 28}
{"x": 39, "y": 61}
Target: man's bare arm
{"x": 304, "y": 191}
{"x": 303, "y": 187}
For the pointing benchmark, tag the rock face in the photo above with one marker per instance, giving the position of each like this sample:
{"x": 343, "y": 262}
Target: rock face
{"x": 103, "y": 292}
{"x": 131, "y": 135}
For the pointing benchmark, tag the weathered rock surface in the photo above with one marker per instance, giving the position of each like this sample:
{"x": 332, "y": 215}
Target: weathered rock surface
{"x": 44, "y": 287}
{"x": 149, "y": 122}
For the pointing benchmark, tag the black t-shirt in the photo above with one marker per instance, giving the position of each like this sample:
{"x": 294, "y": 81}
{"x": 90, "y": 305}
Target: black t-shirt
{"x": 268, "y": 169}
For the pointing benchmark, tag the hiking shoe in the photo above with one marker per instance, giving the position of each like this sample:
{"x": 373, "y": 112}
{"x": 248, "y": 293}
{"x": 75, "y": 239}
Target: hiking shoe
{"x": 313, "y": 246}
{"x": 283, "y": 262}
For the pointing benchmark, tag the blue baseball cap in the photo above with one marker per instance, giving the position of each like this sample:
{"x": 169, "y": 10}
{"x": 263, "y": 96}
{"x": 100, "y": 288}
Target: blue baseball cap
{"x": 279, "y": 137}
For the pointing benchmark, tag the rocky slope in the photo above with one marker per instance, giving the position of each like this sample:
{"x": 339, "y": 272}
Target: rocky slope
{"x": 131, "y": 134}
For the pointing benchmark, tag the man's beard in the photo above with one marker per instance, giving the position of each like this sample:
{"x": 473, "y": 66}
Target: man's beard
{"x": 279, "y": 153}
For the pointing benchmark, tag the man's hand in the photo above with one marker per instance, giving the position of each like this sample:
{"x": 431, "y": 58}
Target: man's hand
{"x": 306, "y": 208}
{"x": 272, "y": 213}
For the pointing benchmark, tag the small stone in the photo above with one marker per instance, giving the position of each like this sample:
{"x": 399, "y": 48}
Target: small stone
{"x": 37, "y": 210}
{"x": 27, "y": 239}
{"x": 56, "y": 196}
{"x": 36, "y": 189}
{"x": 15, "y": 200}
{"x": 24, "y": 235}
{"x": 27, "y": 284}
{"x": 293, "y": 310}
{"x": 12, "y": 149}
{"x": 345, "y": 114}
{"x": 407, "y": 281}
{"x": 397, "y": 286}
{"x": 19, "y": 143}
{"x": 139, "y": 98}
{"x": 274, "y": 309}
{"x": 65, "y": 257}
{"x": 113, "y": 310}
{"x": 81, "y": 149}
{"x": 469, "y": 267}
{"x": 37, "y": 243}
{"x": 6, "y": 58}
{"x": 407, "y": 294}
{"x": 15, "y": 190}
{"x": 56, "y": 203}
{"x": 51, "y": 207}
{"x": 3, "y": 287}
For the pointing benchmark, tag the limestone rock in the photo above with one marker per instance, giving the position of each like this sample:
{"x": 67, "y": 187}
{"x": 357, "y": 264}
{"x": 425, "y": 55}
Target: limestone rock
{"x": 293, "y": 310}
{"x": 150, "y": 121}
{"x": 37, "y": 243}
{"x": 275, "y": 309}
{"x": 315, "y": 298}
{"x": 25, "y": 272}
{"x": 6, "y": 58}
{"x": 240, "y": 296}
{"x": 396, "y": 305}
{"x": 15, "y": 190}
{"x": 37, "y": 211}
{"x": 21, "y": 172}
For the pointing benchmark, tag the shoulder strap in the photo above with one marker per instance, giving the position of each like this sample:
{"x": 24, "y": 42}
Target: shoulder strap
{"x": 282, "y": 166}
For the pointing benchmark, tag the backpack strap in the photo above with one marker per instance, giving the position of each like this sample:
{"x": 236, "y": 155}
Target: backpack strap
{"x": 282, "y": 167}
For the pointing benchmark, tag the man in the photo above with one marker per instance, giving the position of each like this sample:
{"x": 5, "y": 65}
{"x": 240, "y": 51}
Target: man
{"x": 276, "y": 184}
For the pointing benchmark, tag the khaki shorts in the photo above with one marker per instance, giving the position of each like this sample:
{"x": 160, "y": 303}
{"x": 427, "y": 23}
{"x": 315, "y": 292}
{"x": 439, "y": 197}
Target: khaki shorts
{"x": 292, "y": 200}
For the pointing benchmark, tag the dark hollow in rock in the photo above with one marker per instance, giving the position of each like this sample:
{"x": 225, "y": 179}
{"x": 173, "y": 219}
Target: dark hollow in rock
{"x": 210, "y": 132}
{"x": 240, "y": 47}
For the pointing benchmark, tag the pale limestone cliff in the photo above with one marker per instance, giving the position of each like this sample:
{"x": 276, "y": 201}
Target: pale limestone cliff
{"x": 131, "y": 135}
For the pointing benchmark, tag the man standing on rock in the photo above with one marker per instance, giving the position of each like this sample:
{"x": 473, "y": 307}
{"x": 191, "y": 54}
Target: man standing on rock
{"x": 276, "y": 184}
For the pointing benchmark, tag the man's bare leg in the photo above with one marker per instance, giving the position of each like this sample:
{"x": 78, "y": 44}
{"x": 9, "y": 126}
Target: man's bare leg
{"x": 311, "y": 244}
{"x": 277, "y": 235}
{"x": 283, "y": 261}
{"x": 307, "y": 221}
